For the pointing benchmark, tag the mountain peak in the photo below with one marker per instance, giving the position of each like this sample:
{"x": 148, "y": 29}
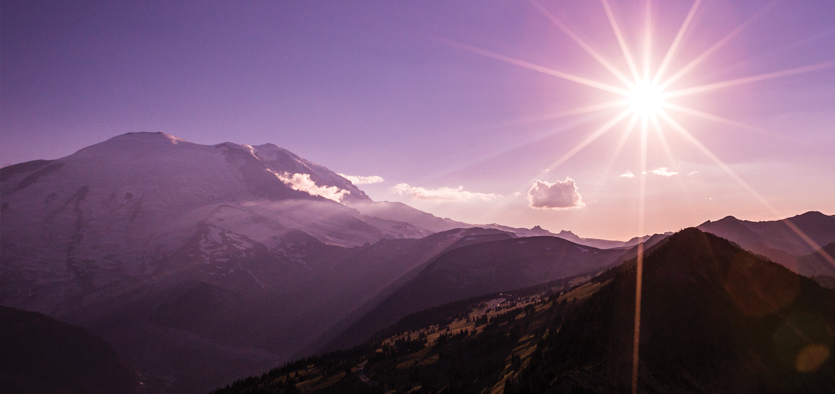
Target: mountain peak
{"x": 812, "y": 214}
{"x": 147, "y": 136}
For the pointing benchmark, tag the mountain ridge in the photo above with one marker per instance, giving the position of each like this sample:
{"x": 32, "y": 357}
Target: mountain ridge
{"x": 778, "y": 241}
{"x": 714, "y": 318}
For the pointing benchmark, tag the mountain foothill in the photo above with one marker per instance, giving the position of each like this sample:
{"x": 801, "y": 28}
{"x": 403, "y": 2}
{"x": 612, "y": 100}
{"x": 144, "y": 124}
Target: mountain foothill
{"x": 177, "y": 267}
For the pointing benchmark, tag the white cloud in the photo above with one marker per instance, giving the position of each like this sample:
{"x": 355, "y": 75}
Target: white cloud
{"x": 441, "y": 193}
{"x": 302, "y": 182}
{"x": 663, "y": 172}
{"x": 557, "y": 195}
{"x": 627, "y": 174}
{"x": 693, "y": 173}
{"x": 363, "y": 180}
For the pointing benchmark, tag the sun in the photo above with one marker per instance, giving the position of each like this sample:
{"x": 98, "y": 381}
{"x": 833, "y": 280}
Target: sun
{"x": 646, "y": 99}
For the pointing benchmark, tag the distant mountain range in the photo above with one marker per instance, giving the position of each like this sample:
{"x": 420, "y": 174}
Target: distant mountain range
{"x": 200, "y": 264}
{"x": 777, "y": 241}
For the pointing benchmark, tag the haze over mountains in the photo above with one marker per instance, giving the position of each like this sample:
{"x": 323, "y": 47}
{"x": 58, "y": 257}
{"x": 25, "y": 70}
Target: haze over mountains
{"x": 202, "y": 264}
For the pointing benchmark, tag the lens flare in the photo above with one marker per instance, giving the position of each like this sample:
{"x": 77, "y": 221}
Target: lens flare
{"x": 646, "y": 97}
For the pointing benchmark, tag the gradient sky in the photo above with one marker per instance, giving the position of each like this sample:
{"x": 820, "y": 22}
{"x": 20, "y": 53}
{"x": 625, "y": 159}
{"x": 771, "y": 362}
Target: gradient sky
{"x": 386, "y": 89}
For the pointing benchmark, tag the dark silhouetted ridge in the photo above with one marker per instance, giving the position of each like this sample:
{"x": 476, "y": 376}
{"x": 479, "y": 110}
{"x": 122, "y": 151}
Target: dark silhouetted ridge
{"x": 715, "y": 318}
{"x": 39, "y": 354}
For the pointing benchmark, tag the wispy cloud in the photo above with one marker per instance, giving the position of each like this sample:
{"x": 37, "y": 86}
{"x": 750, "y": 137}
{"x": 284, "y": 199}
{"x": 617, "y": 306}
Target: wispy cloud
{"x": 302, "y": 182}
{"x": 441, "y": 193}
{"x": 363, "y": 180}
{"x": 627, "y": 174}
{"x": 663, "y": 171}
{"x": 557, "y": 195}
{"x": 693, "y": 173}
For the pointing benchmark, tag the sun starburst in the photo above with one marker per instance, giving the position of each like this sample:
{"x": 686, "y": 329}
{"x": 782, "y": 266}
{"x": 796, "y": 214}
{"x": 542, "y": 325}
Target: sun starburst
{"x": 645, "y": 98}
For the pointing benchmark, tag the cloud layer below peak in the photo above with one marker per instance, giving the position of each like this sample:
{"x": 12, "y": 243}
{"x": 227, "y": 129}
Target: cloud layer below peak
{"x": 441, "y": 193}
{"x": 363, "y": 180}
{"x": 302, "y": 182}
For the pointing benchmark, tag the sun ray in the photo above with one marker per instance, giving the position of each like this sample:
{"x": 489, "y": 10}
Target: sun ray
{"x": 624, "y": 137}
{"x": 583, "y": 44}
{"x": 602, "y": 130}
{"x": 751, "y": 79}
{"x": 621, "y": 41}
{"x": 695, "y": 62}
{"x": 664, "y": 145}
{"x": 639, "y": 274}
{"x": 678, "y": 127}
{"x": 647, "y": 39}
{"x": 715, "y": 118}
{"x": 571, "y": 112}
{"x": 674, "y": 46}
{"x": 474, "y": 159}
{"x": 538, "y": 68}
{"x": 669, "y": 152}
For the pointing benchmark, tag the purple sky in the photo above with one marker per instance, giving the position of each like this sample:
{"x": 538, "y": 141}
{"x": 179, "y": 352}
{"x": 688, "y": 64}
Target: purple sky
{"x": 376, "y": 88}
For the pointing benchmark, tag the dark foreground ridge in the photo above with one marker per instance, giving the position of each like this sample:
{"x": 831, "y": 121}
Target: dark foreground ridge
{"x": 39, "y": 354}
{"x": 715, "y": 318}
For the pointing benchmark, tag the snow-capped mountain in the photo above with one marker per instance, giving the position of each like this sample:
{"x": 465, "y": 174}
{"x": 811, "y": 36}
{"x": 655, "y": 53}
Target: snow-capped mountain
{"x": 142, "y": 224}
{"x": 126, "y": 207}
{"x": 204, "y": 263}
